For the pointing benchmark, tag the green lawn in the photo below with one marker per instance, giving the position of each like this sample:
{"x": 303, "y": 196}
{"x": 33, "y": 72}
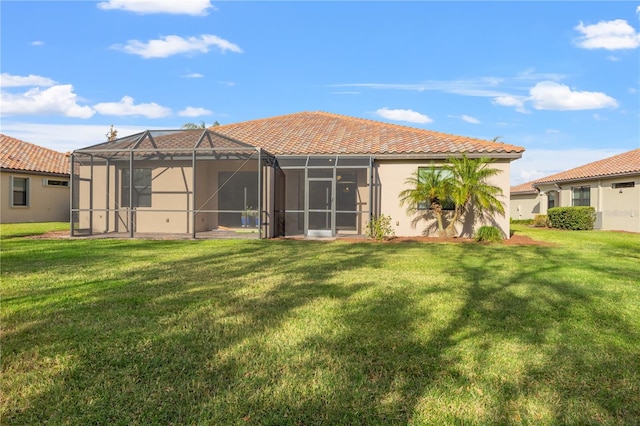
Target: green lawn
{"x": 302, "y": 332}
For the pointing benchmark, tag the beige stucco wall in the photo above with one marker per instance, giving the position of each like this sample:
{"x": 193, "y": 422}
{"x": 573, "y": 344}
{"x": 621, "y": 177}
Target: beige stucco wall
{"x": 616, "y": 208}
{"x": 46, "y": 203}
{"x": 525, "y": 206}
{"x": 392, "y": 175}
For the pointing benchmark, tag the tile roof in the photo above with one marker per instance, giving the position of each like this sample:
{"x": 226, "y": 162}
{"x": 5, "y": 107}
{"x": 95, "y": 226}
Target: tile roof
{"x": 24, "y": 156}
{"x": 308, "y": 133}
{"x": 623, "y": 164}
{"x": 524, "y": 188}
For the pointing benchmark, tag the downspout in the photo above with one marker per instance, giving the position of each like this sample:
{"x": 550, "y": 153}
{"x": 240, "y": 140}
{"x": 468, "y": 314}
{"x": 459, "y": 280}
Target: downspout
{"x": 107, "y": 182}
{"x": 259, "y": 193}
{"x": 91, "y": 200}
{"x": 72, "y": 189}
{"x": 193, "y": 194}
{"x": 130, "y": 212}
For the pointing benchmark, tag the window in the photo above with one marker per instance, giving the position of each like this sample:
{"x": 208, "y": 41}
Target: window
{"x": 581, "y": 196}
{"x": 551, "y": 199}
{"x": 19, "y": 192}
{"x": 444, "y": 174}
{"x": 141, "y": 188}
{"x": 53, "y": 182}
{"x": 623, "y": 185}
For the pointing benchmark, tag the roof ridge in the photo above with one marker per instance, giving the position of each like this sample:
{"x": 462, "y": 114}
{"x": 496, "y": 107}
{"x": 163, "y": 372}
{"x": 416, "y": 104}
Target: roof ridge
{"x": 369, "y": 121}
{"x": 44, "y": 148}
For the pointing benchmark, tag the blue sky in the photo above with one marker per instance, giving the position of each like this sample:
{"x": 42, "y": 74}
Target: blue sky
{"x": 561, "y": 79}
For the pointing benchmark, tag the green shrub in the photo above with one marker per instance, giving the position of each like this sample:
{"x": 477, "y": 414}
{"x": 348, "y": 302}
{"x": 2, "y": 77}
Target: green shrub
{"x": 489, "y": 234}
{"x": 541, "y": 221}
{"x": 380, "y": 228}
{"x": 573, "y": 218}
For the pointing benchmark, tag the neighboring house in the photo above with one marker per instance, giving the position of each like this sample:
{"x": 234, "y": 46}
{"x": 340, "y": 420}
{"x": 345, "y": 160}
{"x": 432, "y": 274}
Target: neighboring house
{"x": 307, "y": 174}
{"x": 35, "y": 183}
{"x": 525, "y": 202}
{"x": 611, "y": 186}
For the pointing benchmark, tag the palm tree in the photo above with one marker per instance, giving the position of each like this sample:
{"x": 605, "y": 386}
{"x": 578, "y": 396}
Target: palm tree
{"x": 471, "y": 190}
{"x": 194, "y": 125}
{"x": 431, "y": 188}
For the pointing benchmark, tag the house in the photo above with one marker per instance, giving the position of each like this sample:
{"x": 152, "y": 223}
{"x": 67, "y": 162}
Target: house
{"x": 308, "y": 174}
{"x": 611, "y": 186}
{"x": 35, "y": 183}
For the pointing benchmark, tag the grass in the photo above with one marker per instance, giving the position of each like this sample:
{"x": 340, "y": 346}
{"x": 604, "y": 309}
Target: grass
{"x": 306, "y": 332}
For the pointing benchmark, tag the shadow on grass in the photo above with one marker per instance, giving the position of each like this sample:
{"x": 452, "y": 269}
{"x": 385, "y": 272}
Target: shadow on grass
{"x": 294, "y": 332}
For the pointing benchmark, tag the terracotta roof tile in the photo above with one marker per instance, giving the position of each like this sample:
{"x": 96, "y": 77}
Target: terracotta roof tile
{"x": 325, "y": 133}
{"x": 24, "y": 156}
{"x": 622, "y": 164}
{"x": 524, "y": 188}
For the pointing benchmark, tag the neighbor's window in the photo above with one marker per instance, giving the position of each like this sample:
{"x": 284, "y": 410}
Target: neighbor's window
{"x": 54, "y": 182}
{"x": 446, "y": 204}
{"x": 624, "y": 185}
{"x": 19, "y": 192}
{"x": 141, "y": 188}
{"x": 581, "y": 196}
{"x": 551, "y": 199}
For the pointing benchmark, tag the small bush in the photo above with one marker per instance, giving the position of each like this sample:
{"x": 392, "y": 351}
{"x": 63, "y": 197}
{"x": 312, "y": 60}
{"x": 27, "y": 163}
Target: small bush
{"x": 573, "y": 218}
{"x": 541, "y": 221}
{"x": 489, "y": 234}
{"x": 380, "y": 228}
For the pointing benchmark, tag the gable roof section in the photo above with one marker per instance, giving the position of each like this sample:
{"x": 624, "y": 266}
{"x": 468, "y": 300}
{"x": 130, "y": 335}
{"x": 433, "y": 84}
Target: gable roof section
{"x": 524, "y": 188}
{"x": 307, "y": 133}
{"x": 627, "y": 163}
{"x": 26, "y": 157}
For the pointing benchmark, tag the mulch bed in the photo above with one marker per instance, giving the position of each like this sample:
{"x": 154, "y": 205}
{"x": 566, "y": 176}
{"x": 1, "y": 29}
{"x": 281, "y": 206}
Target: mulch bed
{"x": 515, "y": 240}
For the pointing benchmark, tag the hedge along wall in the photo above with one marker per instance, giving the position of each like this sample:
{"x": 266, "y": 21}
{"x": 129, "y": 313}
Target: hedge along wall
{"x": 573, "y": 218}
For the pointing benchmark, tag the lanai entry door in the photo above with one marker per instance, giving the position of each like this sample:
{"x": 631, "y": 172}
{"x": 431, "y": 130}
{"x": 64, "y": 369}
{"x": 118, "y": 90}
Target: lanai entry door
{"x": 320, "y": 207}
{"x": 325, "y": 196}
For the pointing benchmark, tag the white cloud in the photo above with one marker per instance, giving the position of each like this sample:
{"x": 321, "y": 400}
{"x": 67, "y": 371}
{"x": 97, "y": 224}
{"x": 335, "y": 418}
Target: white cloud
{"x": 37, "y": 43}
{"x": 194, "y": 112}
{"x": 174, "y": 45}
{"x": 470, "y": 119}
{"x": 407, "y": 115}
{"x": 538, "y": 163}
{"x": 8, "y": 80}
{"x": 613, "y": 58}
{"x": 512, "y": 101}
{"x": 193, "y": 75}
{"x": 182, "y": 7}
{"x": 549, "y": 95}
{"x": 126, "y": 107}
{"x": 58, "y": 99}
{"x": 610, "y": 35}
{"x": 552, "y": 131}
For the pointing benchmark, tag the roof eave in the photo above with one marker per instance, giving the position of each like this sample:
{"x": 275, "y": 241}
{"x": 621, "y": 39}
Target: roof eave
{"x": 445, "y": 155}
{"x": 586, "y": 178}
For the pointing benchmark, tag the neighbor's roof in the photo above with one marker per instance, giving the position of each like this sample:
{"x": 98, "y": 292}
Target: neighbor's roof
{"x": 627, "y": 163}
{"x": 307, "y": 133}
{"x": 24, "y": 156}
{"x": 524, "y": 188}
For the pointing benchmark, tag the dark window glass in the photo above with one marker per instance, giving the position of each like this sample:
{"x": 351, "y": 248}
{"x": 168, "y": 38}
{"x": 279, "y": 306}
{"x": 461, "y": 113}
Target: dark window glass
{"x": 581, "y": 196}
{"x": 20, "y": 191}
{"x": 141, "y": 188}
{"x": 446, "y": 204}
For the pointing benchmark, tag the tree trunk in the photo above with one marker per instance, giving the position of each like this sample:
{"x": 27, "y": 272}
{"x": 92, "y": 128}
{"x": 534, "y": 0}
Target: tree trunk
{"x": 437, "y": 211}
